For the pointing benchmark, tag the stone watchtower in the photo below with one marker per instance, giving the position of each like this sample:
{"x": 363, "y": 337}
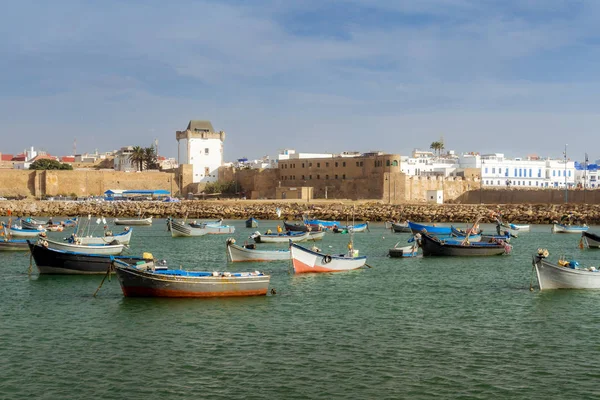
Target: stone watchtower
{"x": 201, "y": 147}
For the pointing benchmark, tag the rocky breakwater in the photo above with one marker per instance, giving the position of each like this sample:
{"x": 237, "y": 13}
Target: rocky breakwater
{"x": 515, "y": 213}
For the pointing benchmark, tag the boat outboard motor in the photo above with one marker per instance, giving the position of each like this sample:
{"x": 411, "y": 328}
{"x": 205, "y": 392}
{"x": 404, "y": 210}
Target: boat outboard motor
{"x": 114, "y": 242}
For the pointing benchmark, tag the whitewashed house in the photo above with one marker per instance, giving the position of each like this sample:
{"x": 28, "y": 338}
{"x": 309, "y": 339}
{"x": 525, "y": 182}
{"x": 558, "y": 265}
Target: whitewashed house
{"x": 202, "y": 147}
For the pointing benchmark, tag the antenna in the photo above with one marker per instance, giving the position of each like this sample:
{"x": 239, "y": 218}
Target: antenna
{"x": 74, "y": 146}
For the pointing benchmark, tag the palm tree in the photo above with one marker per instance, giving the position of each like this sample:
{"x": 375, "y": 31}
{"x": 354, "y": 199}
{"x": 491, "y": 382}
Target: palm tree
{"x": 137, "y": 157}
{"x": 435, "y": 146}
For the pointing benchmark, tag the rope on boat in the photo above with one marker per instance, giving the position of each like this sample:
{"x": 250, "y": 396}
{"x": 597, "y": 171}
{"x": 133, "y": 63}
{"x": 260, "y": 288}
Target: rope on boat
{"x": 30, "y": 264}
{"x": 103, "y": 279}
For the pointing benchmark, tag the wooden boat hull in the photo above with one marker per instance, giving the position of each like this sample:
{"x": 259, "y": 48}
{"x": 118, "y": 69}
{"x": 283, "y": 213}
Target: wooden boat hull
{"x": 180, "y": 230}
{"x": 251, "y": 223}
{"x": 560, "y": 228}
{"x": 434, "y": 230}
{"x": 321, "y": 224}
{"x": 592, "y": 240}
{"x": 219, "y": 229}
{"x": 136, "y": 282}
{"x": 123, "y": 238}
{"x": 553, "y": 276}
{"x": 32, "y": 224}
{"x": 14, "y": 245}
{"x": 281, "y": 238}
{"x": 50, "y": 261}
{"x": 308, "y": 261}
{"x": 102, "y": 249}
{"x": 243, "y": 254}
{"x": 434, "y": 247}
{"x": 134, "y": 221}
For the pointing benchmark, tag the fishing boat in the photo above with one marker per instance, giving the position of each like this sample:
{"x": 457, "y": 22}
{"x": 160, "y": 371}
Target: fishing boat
{"x": 179, "y": 229}
{"x": 134, "y": 221}
{"x": 19, "y": 232}
{"x": 440, "y": 230}
{"x": 404, "y": 251}
{"x": 297, "y": 227}
{"x": 7, "y": 243}
{"x": 150, "y": 280}
{"x": 249, "y": 252}
{"x": 590, "y": 240}
{"x": 109, "y": 237}
{"x": 69, "y": 223}
{"x": 313, "y": 260}
{"x": 562, "y": 228}
{"x": 251, "y": 223}
{"x": 515, "y": 227}
{"x": 564, "y": 274}
{"x": 434, "y": 246}
{"x": 111, "y": 249}
{"x": 322, "y": 224}
{"x": 52, "y": 261}
{"x": 280, "y": 237}
{"x": 400, "y": 227}
{"x": 30, "y": 223}
{"x": 213, "y": 228}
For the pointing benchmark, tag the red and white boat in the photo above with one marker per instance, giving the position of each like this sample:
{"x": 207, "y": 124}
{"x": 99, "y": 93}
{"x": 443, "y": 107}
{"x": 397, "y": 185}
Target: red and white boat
{"x": 306, "y": 260}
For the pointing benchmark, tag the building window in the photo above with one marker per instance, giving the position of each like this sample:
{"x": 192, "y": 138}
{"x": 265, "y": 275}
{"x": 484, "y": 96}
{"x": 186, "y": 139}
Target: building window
{"x": 357, "y": 163}
{"x": 361, "y": 163}
{"x": 206, "y": 151}
{"x": 310, "y": 164}
{"x": 302, "y": 165}
{"x": 318, "y": 176}
{"x": 336, "y": 164}
{"x": 515, "y": 172}
{"x": 309, "y": 177}
{"x": 303, "y": 177}
{"x": 327, "y": 164}
{"x": 387, "y": 163}
{"x": 500, "y": 171}
{"x": 553, "y": 173}
{"x": 344, "y": 164}
{"x": 530, "y": 172}
{"x": 344, "y": 176}
{"x": 326, "y": 177}
{"x": 539, "y": 173}
{"x": 318, "y": 165}
{"x": 486, "y": 170}
{"x": 493, "y": 170}
{"x": 336, "y": 177}
{"x": 395, "y": 163}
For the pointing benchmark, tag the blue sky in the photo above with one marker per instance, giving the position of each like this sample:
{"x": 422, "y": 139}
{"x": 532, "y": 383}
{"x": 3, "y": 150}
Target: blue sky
{"x": 516, "y": 77}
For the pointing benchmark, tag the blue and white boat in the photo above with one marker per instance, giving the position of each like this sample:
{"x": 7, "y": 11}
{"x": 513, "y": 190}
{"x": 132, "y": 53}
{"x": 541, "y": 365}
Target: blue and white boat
{"x": 319, "y": 223}
{"x": 564, "y": 228}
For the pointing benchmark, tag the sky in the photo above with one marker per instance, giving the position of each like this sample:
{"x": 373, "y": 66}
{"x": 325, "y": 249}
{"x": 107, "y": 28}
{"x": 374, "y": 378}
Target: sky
{"x": 516, "y": 77}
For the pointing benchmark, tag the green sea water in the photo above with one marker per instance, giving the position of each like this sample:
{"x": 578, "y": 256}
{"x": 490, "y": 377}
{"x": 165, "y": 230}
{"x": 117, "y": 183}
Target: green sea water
{"x": 424, "y": 328}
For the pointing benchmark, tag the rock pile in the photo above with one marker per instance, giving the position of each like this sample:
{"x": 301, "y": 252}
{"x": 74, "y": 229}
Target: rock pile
{"x": 515, "y": 213}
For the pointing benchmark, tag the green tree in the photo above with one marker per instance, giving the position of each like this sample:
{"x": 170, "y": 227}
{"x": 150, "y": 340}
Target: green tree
{"x": 150, "y": 158}
{"x": 137, "y": 157}
{"x": 230, "y": 187}
{"x": 45, "y": 164}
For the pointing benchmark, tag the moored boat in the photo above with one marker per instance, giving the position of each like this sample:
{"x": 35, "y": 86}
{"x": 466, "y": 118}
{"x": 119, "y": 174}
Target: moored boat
{"x": 213, "y": 228}
{"x": 297, "y": 227}
{"x": 52, "y": 261}
{"x": 333, "y": 225}
{"x": 434, "y": 246}
{"x": 19, "y": 232}
{"x": 251, "y": 223}
{"x": 280, "y": 237}
{"x": 134, "y": 221}
{"x": 122, "y": 237}
{"x": 312, "y": 260}
{"x": 146, "y": 280}
{"x": 404, "y": 251}
{"x": 590, "y": 240}
{"x": 31, "y": 223}
{"x": 400, "y": 227}
{"x": 564, "y": 274}
{"x": 564, "y": 228}
{"x": 111, "y": 249}
{"x": 13, "y": 244}
{"x": 249, "y": 252}
{"x": 179, "y": 229}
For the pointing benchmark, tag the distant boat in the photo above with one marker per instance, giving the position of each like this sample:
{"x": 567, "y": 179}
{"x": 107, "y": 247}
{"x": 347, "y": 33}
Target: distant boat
{"x": 19, "y": 232}
{"x": 439, "y": 230}
{"x": 590, "y": 239}
{"x": 249, "y": 252}
{"x": 134, "y": 221}
{"x": 149, "y": 280}
{"x": 13, "y": 244}
{"x": 400, "y": 227}
{"x": 562, "y": 228}
{"x": 322, "y": 224}
{"x": 251, "y": 223}
{"x": 214, "y": 228}
{"x": 51, "y": 261}
{"x": 312, "y": 261}
{"x": 31, "y": 223}
{"x": 179, "y": 229}
{"x": 434, "y": 246}
{"x": 564, "y": 274}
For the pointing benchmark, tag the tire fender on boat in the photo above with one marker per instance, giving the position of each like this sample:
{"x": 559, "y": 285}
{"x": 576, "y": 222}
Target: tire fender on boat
{"x": 326, "y": 259}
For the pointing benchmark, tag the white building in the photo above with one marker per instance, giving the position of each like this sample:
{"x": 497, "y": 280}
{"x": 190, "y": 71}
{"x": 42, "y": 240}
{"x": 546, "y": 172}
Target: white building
{"x": 532, "y": 172}
{"x": 202, "y": 147}
{"x": 423, "y": 163}
{"x": 122, "y": 160}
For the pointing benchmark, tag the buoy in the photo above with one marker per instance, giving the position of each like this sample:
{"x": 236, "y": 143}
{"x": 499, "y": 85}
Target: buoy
{"x": 273, "y": 291}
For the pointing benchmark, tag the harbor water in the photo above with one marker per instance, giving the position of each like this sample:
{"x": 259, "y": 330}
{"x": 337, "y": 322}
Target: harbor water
{"x": 421, "y": 328}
